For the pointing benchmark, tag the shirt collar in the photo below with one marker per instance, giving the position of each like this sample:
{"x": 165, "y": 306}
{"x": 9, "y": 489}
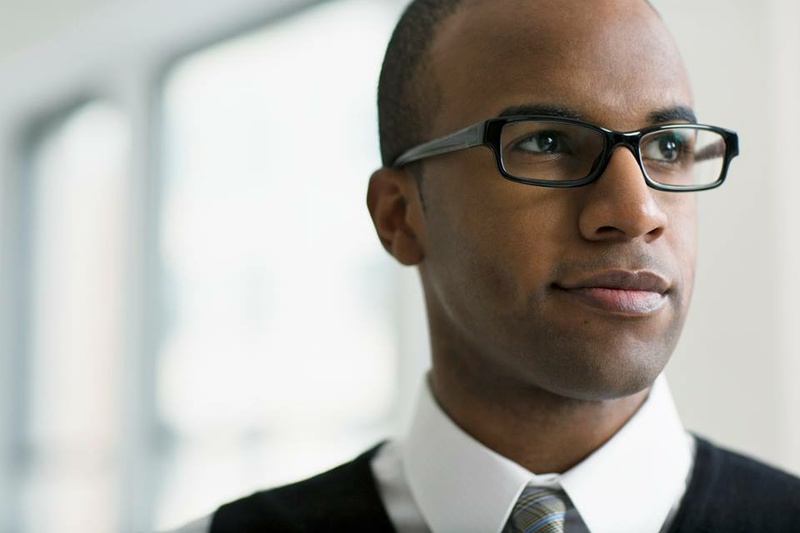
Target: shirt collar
{"x": 645, "y": 465}
{"x": 461, "y": 485}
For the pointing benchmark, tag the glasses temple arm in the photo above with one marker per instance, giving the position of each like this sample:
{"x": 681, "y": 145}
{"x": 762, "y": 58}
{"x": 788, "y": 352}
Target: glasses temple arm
{"x": 728, "y": 145}
{"x": 467, "y": 138}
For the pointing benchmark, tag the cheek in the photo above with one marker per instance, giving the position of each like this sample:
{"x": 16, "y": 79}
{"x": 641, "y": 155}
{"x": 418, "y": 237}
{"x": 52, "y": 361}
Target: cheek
{"x": 536, "y": 238}
{"x": 680, "y": 245}
{"x": 683, "y": 236}
{"x": 500, "y": 242}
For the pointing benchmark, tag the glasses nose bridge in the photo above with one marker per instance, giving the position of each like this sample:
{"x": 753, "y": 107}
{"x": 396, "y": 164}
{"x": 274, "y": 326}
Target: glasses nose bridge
{"x": 629, "y": 140}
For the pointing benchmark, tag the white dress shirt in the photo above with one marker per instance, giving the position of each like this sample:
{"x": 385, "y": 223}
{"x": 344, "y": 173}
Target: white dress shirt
{"x": 442, "y": 480}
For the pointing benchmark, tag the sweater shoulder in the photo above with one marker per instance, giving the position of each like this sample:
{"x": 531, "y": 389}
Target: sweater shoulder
{"x": 345, "y": 498}
{"x": 739, "y": 471}
{"x": 729, "y": 491}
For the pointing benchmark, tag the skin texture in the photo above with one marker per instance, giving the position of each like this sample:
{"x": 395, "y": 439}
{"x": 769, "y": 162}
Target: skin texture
{"x": 521, "y": 361}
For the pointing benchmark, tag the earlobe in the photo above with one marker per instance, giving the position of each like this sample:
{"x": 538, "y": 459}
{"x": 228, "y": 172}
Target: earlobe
{"x": 394, "y": 205}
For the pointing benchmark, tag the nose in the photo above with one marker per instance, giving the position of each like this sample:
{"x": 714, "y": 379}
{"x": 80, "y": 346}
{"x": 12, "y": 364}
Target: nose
{"x": 619, "y": 205}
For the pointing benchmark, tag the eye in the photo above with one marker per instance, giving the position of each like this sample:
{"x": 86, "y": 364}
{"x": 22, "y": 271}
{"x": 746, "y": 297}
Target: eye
{"x": 542, "y": 142}
{"x": 667, "y": 147}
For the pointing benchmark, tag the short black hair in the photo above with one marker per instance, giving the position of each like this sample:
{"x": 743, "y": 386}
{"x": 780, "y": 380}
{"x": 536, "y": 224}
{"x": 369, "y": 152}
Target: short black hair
{"x": 406, "y": 97}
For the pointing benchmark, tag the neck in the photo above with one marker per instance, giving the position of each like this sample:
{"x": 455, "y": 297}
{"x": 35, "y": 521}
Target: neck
{"x": 539, "y": 430}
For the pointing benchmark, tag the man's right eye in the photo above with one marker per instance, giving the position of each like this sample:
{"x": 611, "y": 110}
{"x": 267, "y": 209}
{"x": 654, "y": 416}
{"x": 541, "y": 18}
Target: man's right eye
{"x": 543, "y": 142}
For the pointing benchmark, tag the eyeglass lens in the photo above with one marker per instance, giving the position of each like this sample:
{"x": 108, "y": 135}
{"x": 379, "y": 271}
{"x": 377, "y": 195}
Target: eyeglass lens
{"x": 557, "y": 151}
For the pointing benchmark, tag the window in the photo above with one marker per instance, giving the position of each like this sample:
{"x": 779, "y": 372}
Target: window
{"x": 279, "y": 357}
{"x": 75, "y": 333}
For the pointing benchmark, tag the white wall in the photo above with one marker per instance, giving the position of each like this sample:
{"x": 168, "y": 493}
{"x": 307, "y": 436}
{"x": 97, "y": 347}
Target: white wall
{"x": 735, "y": 370}
{"x": 24, "y": 23}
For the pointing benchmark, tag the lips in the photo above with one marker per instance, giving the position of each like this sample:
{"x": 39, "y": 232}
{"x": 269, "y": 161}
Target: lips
{"x": 633, "y": 293}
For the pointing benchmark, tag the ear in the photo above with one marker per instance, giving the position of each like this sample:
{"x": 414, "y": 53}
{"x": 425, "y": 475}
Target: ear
{"x": 394, "y": 203}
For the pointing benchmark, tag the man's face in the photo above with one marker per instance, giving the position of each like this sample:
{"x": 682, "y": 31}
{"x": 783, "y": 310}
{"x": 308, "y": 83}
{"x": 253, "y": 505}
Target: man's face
{"x": 581, "y": 292}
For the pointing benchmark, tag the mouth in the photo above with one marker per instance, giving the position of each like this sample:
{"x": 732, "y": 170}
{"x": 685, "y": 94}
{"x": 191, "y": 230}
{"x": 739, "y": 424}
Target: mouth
{"x": 623, "y": 292}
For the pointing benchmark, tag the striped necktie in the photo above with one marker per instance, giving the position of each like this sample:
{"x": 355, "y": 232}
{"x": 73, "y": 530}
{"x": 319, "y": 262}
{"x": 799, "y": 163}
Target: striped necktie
{"x": 538, "y": 510}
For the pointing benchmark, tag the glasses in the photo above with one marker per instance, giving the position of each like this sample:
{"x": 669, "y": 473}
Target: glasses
{"x": 563, "y": 152}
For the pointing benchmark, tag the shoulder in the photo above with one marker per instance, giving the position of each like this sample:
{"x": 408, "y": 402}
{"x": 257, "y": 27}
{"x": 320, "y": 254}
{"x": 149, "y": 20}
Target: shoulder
{"x": 729, "y": 491}
{"x": 343, "y": 499}
{"x": 733, "y": 471}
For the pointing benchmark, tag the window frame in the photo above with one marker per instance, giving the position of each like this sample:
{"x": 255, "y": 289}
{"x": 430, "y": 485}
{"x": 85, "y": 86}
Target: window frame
{"x": 137, "y": 88}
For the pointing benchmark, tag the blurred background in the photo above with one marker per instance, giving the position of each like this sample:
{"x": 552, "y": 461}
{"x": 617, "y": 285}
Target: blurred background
{"x": 193, "y": 304}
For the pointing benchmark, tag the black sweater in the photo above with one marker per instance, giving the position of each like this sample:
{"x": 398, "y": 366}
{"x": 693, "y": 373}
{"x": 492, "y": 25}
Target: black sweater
{"x": 727, "y": 493}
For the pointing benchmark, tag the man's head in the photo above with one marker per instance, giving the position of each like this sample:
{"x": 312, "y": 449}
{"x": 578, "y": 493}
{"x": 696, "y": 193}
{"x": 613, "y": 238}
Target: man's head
{"x": 580, "y": 292}
{"x": 407, "y": 94}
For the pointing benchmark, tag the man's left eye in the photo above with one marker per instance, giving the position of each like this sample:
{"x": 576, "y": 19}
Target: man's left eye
{"x": 668, "y": 148}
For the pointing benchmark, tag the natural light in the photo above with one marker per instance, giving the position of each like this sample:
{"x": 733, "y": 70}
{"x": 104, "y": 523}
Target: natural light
{"x": 278, "y": 291}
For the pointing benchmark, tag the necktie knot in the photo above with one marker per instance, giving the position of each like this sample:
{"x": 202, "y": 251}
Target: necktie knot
{"x": 538, "y": 510}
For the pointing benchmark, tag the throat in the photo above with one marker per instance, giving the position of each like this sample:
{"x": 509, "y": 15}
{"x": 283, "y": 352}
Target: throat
{"x": 541, "y": 431}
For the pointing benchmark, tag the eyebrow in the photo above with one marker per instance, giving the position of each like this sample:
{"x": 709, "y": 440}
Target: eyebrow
{"x": 673, "y": 114}
{"x": 668, "y": 114}
{"x": 545, "y": 110}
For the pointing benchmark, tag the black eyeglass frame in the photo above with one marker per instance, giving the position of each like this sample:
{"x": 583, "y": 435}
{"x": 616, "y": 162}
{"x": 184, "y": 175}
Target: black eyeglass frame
{"x": 488, "y": 133}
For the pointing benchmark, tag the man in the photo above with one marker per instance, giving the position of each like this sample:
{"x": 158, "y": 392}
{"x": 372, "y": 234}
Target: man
{"x": 541, "y": 163}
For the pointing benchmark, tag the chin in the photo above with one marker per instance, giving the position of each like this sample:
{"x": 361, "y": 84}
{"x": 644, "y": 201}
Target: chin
{"x": 597, "y": 373}
{"x": 606, "y": 390}
{"x": 590, "y": 383}
{"x": 606, "y": 367}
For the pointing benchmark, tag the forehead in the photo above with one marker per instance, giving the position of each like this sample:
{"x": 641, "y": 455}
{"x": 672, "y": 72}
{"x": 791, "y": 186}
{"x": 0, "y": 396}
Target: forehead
{"x": 611, "y": 61}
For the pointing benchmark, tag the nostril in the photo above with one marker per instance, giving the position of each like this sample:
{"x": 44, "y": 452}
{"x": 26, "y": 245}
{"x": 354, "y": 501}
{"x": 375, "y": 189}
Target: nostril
{"x": 607, "y": 230}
